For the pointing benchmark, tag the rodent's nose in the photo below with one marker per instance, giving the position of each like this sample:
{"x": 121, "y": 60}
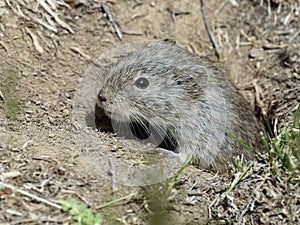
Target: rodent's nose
{"x": 101, "y": 98}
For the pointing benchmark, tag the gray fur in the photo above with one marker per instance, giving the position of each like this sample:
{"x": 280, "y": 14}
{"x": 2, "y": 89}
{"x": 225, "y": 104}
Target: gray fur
{"x": 189, "y": 96}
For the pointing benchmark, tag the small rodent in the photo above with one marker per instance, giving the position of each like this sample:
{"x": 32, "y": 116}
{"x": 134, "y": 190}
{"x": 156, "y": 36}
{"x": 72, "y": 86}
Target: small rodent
{"x": 181, "y": 102}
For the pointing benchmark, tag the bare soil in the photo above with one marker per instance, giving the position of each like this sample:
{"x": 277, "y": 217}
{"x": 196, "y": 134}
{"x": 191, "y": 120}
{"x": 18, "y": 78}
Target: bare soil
{"x": 41, "y": 66}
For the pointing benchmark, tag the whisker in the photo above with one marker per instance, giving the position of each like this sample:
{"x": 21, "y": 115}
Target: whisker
{"x": 162, "y": 135}
{"x": 159, "y": 130}
{"x": 166, "y": 136}
{"x": 139, "y": 127}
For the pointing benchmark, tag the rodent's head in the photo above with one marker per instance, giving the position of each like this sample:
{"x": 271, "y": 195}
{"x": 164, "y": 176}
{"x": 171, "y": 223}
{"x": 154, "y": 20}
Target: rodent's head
{"x": 152, "y": 93}
{"x": 148, "y": 90}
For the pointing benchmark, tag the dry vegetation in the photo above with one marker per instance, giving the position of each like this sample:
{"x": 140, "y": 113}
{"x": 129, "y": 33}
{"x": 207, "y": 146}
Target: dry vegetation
{"x": 45, "y": 47}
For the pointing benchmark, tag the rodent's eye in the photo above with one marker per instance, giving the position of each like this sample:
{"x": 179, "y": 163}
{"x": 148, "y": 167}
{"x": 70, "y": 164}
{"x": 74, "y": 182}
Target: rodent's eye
{"x": 142, "y": 83}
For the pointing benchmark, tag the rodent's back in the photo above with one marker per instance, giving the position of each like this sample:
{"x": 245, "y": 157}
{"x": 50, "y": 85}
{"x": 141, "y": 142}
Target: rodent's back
{"x": 191, "y": 96}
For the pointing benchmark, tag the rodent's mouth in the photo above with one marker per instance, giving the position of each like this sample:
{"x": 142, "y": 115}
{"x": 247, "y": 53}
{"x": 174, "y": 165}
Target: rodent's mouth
{"x": 137, "y": 127}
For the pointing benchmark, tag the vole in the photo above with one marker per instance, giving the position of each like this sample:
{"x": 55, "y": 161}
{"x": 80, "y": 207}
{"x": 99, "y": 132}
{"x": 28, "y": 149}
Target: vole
{"x": 181, "y": 102}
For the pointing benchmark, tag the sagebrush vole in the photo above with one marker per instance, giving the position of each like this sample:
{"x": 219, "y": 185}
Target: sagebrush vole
{"x": 181, "y": 102}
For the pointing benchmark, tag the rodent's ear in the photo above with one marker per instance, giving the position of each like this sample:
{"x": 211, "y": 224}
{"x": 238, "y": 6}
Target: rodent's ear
{"x": 171, "y": 41}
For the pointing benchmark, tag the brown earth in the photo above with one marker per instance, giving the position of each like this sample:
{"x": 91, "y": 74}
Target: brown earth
{"x": 41, "y": 67}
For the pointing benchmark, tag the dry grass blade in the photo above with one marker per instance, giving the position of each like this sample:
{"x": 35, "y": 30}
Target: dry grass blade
{"x": 1, "y": 96}
{"x": 35, "y": 41}
{"x": 296, "y": 34}
{"x": 111, "y": 20}
{"x": 117, "y": 200}
{"x": 55, "y": 16}
{"x": 208, "y": 29}
{"x": 30, "y": 195}
{"x": 46, "y": 25}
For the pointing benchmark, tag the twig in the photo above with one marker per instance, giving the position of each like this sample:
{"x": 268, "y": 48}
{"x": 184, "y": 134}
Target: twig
{"x": 295, "y": 35}
{"x": 111, "y": 20}
{"x": 209, "y": 32}
{"x": 55, "y": 16}
{"x": 269, "y": 9}
{"x": 132, "y": 32}
{"x": 35, "y": 41}
{"x": 78, "y": 50}
{"x": 8, "y": 3}
{"x": 250, "y": 202}
{"x": 178, "y": 13}
{"x": 21, "y": 13}
{"x": 30, "y": 195}
{"x": 112, "y": 171}
{"x": 1, "y": 96}
{"x": 44, "y": 24}
{"x": 221, "y": 7}
{"x": 116, "y": 200}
